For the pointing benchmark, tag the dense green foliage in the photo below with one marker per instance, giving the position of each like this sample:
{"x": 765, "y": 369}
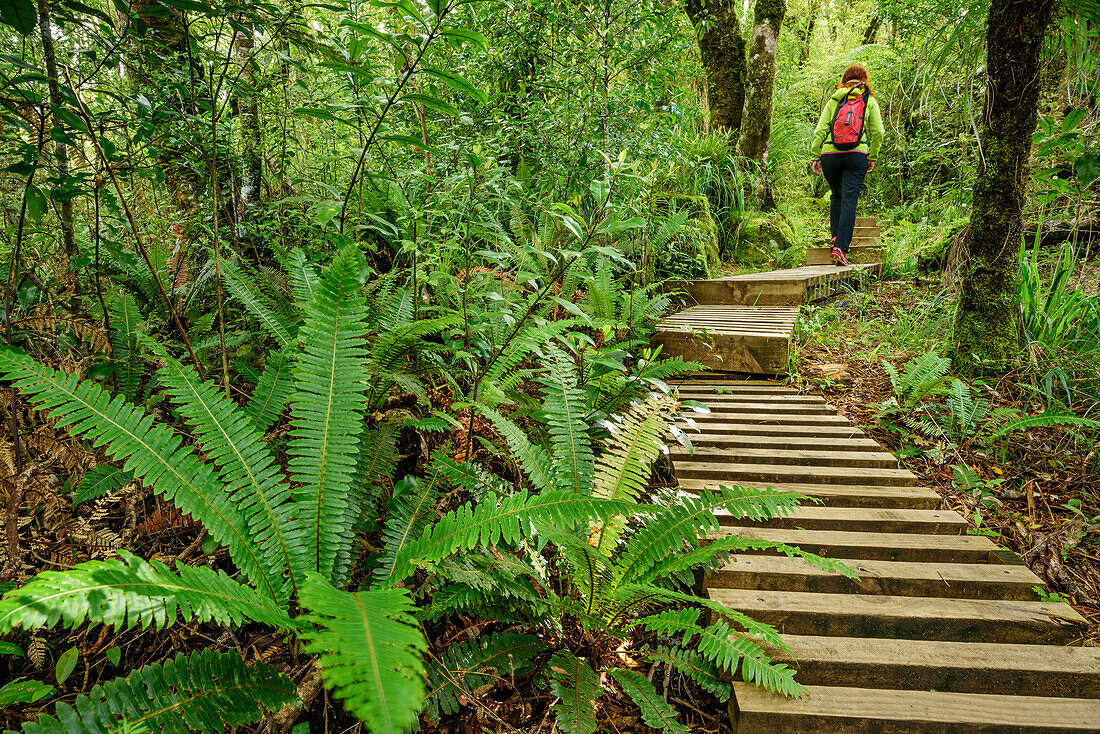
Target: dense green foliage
{"x": 354, "y": 300}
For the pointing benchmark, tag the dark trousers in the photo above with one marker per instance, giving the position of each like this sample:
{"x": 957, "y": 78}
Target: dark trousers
{"x": 845, "y": 173}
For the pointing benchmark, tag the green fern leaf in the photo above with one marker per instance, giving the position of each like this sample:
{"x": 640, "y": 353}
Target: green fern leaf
{"x": 151, "y": 452}
{"x": 124, "y": 342}
{"x": 207, "y": 691}
{"x": 577, "y": 687}
{"x": 273, "y": 391}
{"x": 258, "y": 304}
{"x": 532, "y": 459}
{"x": 303, "y": 275}
{"x": 409, "y": 509}
{"x": 701, "y": 670}
{"x": 564, "y": 408}
{"x": 326, "y": 411}
{"x": 1041, "y": 421}
{"x": 469, "y": 665}
{"x": 370, "y": 647}
{"x": 656, "y": 712}
{"x": 99, "y": 481}
{"x": 248, "y": 470}
{"x": 129, "y": 591}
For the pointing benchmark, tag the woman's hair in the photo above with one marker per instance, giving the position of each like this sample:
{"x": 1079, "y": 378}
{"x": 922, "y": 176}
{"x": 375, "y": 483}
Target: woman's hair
{"x": 855, "y": 73}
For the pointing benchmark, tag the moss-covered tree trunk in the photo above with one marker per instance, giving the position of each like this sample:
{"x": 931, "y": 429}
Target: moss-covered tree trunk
{"x": 986, "y": 325}
{"x": 756, "y": 123}
{"x": 722, "y": 49}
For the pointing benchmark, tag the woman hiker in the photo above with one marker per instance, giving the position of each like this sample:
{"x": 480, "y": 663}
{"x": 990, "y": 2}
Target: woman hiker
{"x": 846, "y": 143}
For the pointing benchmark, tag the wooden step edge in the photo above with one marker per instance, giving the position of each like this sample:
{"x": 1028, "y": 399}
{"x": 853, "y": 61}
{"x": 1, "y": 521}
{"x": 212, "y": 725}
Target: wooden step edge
{"x": 791, "y": 457}
{"x": 860, "y": 519}
{"x": 762, "y": 473}
{"x": 910, "y": 617}
{"x": 848, "y": 710}
{"x": 842, "y": 495}
{"x": 962, "y": 667}
{"x": 876, "y": 546}
{"x": 890, "y": 578}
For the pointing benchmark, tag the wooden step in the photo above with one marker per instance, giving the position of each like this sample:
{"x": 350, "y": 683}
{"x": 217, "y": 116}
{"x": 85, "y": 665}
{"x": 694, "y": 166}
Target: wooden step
{"x": 861, "y": 251}
{"x": 752, "y": 397}
{"x": 847, "y": 710}
{"x": 811, "y": 442}
{"x": 765, "y": 417}
{"x": 964, "y": 667}
{"x": 893, "y": 578}
{"x": 832, "y": 431}
{"x": 755, "y": 473}
{"x": 719, "y": 406}
{"x": 879, "y": 546}
{"x": 843, "y": 495}
{"x": 871, "y": 230}
{"x": 866, "y": 221}
{"x": 730, "y": 338}
{"x": 793, "y": 457}
{"x": 861, "y": 519}
{"x": 912, "y": 617}
{"x": 790, "y": 287}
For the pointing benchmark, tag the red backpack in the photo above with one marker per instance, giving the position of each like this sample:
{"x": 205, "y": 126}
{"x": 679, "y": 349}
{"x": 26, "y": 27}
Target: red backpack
{"x": 847, "y": 129}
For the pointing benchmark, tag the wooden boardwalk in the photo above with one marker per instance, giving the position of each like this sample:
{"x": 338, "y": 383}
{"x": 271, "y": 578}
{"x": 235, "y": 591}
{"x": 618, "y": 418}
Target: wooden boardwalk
{"x": 865, "y": 247}
{"x": 942, "y": 632}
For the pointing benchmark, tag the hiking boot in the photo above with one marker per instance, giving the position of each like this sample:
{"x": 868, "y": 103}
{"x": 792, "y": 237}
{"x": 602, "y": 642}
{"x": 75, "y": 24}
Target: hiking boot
{"x": 839, "y": 256}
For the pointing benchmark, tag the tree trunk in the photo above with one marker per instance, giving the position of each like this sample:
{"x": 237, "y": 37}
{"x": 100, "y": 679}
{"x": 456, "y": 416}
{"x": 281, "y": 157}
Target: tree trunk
{"x": 757, "y": 119}
{"x": 722, "y": 50}
{"x": 806, "y": 35}
{"x": 872, "y": 29}
{"x": 251, "y": 188}
{"x": 61, "y": 151}
{"x": 986, "y": 336}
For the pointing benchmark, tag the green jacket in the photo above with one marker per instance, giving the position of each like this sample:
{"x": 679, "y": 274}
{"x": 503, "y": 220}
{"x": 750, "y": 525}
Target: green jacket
{"x": 873, "y": 130}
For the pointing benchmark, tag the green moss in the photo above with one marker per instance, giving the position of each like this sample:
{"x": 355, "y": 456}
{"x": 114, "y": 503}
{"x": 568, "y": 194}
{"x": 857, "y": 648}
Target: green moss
{"x": 760, "y": 237}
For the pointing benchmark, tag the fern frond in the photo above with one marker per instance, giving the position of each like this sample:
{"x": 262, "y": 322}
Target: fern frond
{"x": 273, "y": 391}
{"x": 701, "y": 670}
{"x": 532, "y": 459}
{"x": 124, "y": 341}
{"x": 152, "y": 452}
{"x": 370, "y": 646}
{"x": 564, "y": 406}
{"x": 531, "y": 337}
{"x": 577, "y": 687}
{"x": 505, "y": 520}
{"x": 633, "y": 596}
{"x": 756, "y": 667}
{"x": 326, "y": 411}
{"x": 656, "y": 712}
{"x": 257, "y": 303}
{"x": 207, "y": 691}
{"x": 922, "y": 377}
{"x": 412, "y": 503}
{"x": 248, "y": 470}
{"x": 1043, "y": 421}
{"x": 693, "y": 517}
{"x": 99, "y": 481}
{"x": 469, "y": 665}
{"x": 303, "y": 275}
{"x": 128, "y": 591}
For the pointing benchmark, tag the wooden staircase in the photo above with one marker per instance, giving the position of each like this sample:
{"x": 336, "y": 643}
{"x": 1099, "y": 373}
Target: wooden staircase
{"x": 865, "y": 247}
{"x": 942, "y": 632}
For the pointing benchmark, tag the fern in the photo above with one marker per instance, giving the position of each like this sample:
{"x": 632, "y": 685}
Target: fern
{"x": 370, "y": 649}
{"x": 303, "y": 275}
{"x": 326, "y": 411}
{"x": 577, "y": 687}
{"x": 207, "y": 691}
{"x": 129, "y": 591}
{"x": 533, "y": 460}
{"x": 151, "y": 452}
{"x": 257, "y": 303}
{"x": 564, "y": 407}
{"x": 99, "y": 481}
{"x": 248, "y": 470}
{"x": 1043, "y": 421}
{"x": 124, "y": 331}
{"x": 468, "y": 665}
{"x": 656, "y": 712}
{"x": 409, "y": 508}
{"x": 273, "y": 391}
{"x": 700, "y": 669}
{"x": 922, "y": 377}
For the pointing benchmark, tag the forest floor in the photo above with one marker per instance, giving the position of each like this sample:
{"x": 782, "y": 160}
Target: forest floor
{"x": 1036, "y": 492}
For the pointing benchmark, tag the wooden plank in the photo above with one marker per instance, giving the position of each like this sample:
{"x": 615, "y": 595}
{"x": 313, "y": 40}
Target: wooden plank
{"x": 834, "y": 431}
{"x": 866, "y": 221}
{"x": 846, "y": 710}
{"x": 759, "y": 353}
{"x": 762, "y": 416}
{"x": 770, "y": 396}
{"x": 719, "y": 440}
{"x": 842, "y": 495}
{"x": 912, "y": 617}
{"x": 964, "y": 667}
{"x": 779, "y": 473}
{"x": 862, "y": 519}
{"x": 859, "y": 252}
{"x": 733, "y": 404}
{"x": 893, "y": 578}
{"x": 878, "y": 546}
{"x": 835, "y": 457}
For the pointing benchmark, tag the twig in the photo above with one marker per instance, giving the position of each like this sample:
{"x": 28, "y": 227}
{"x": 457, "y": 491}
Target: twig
{"x": 11, "y": 523}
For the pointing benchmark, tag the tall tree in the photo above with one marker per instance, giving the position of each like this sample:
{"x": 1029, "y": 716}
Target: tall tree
{"x": 722, "y": 49}
{"x": 985, "y": 334}
{"x": 757, "y": 119}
